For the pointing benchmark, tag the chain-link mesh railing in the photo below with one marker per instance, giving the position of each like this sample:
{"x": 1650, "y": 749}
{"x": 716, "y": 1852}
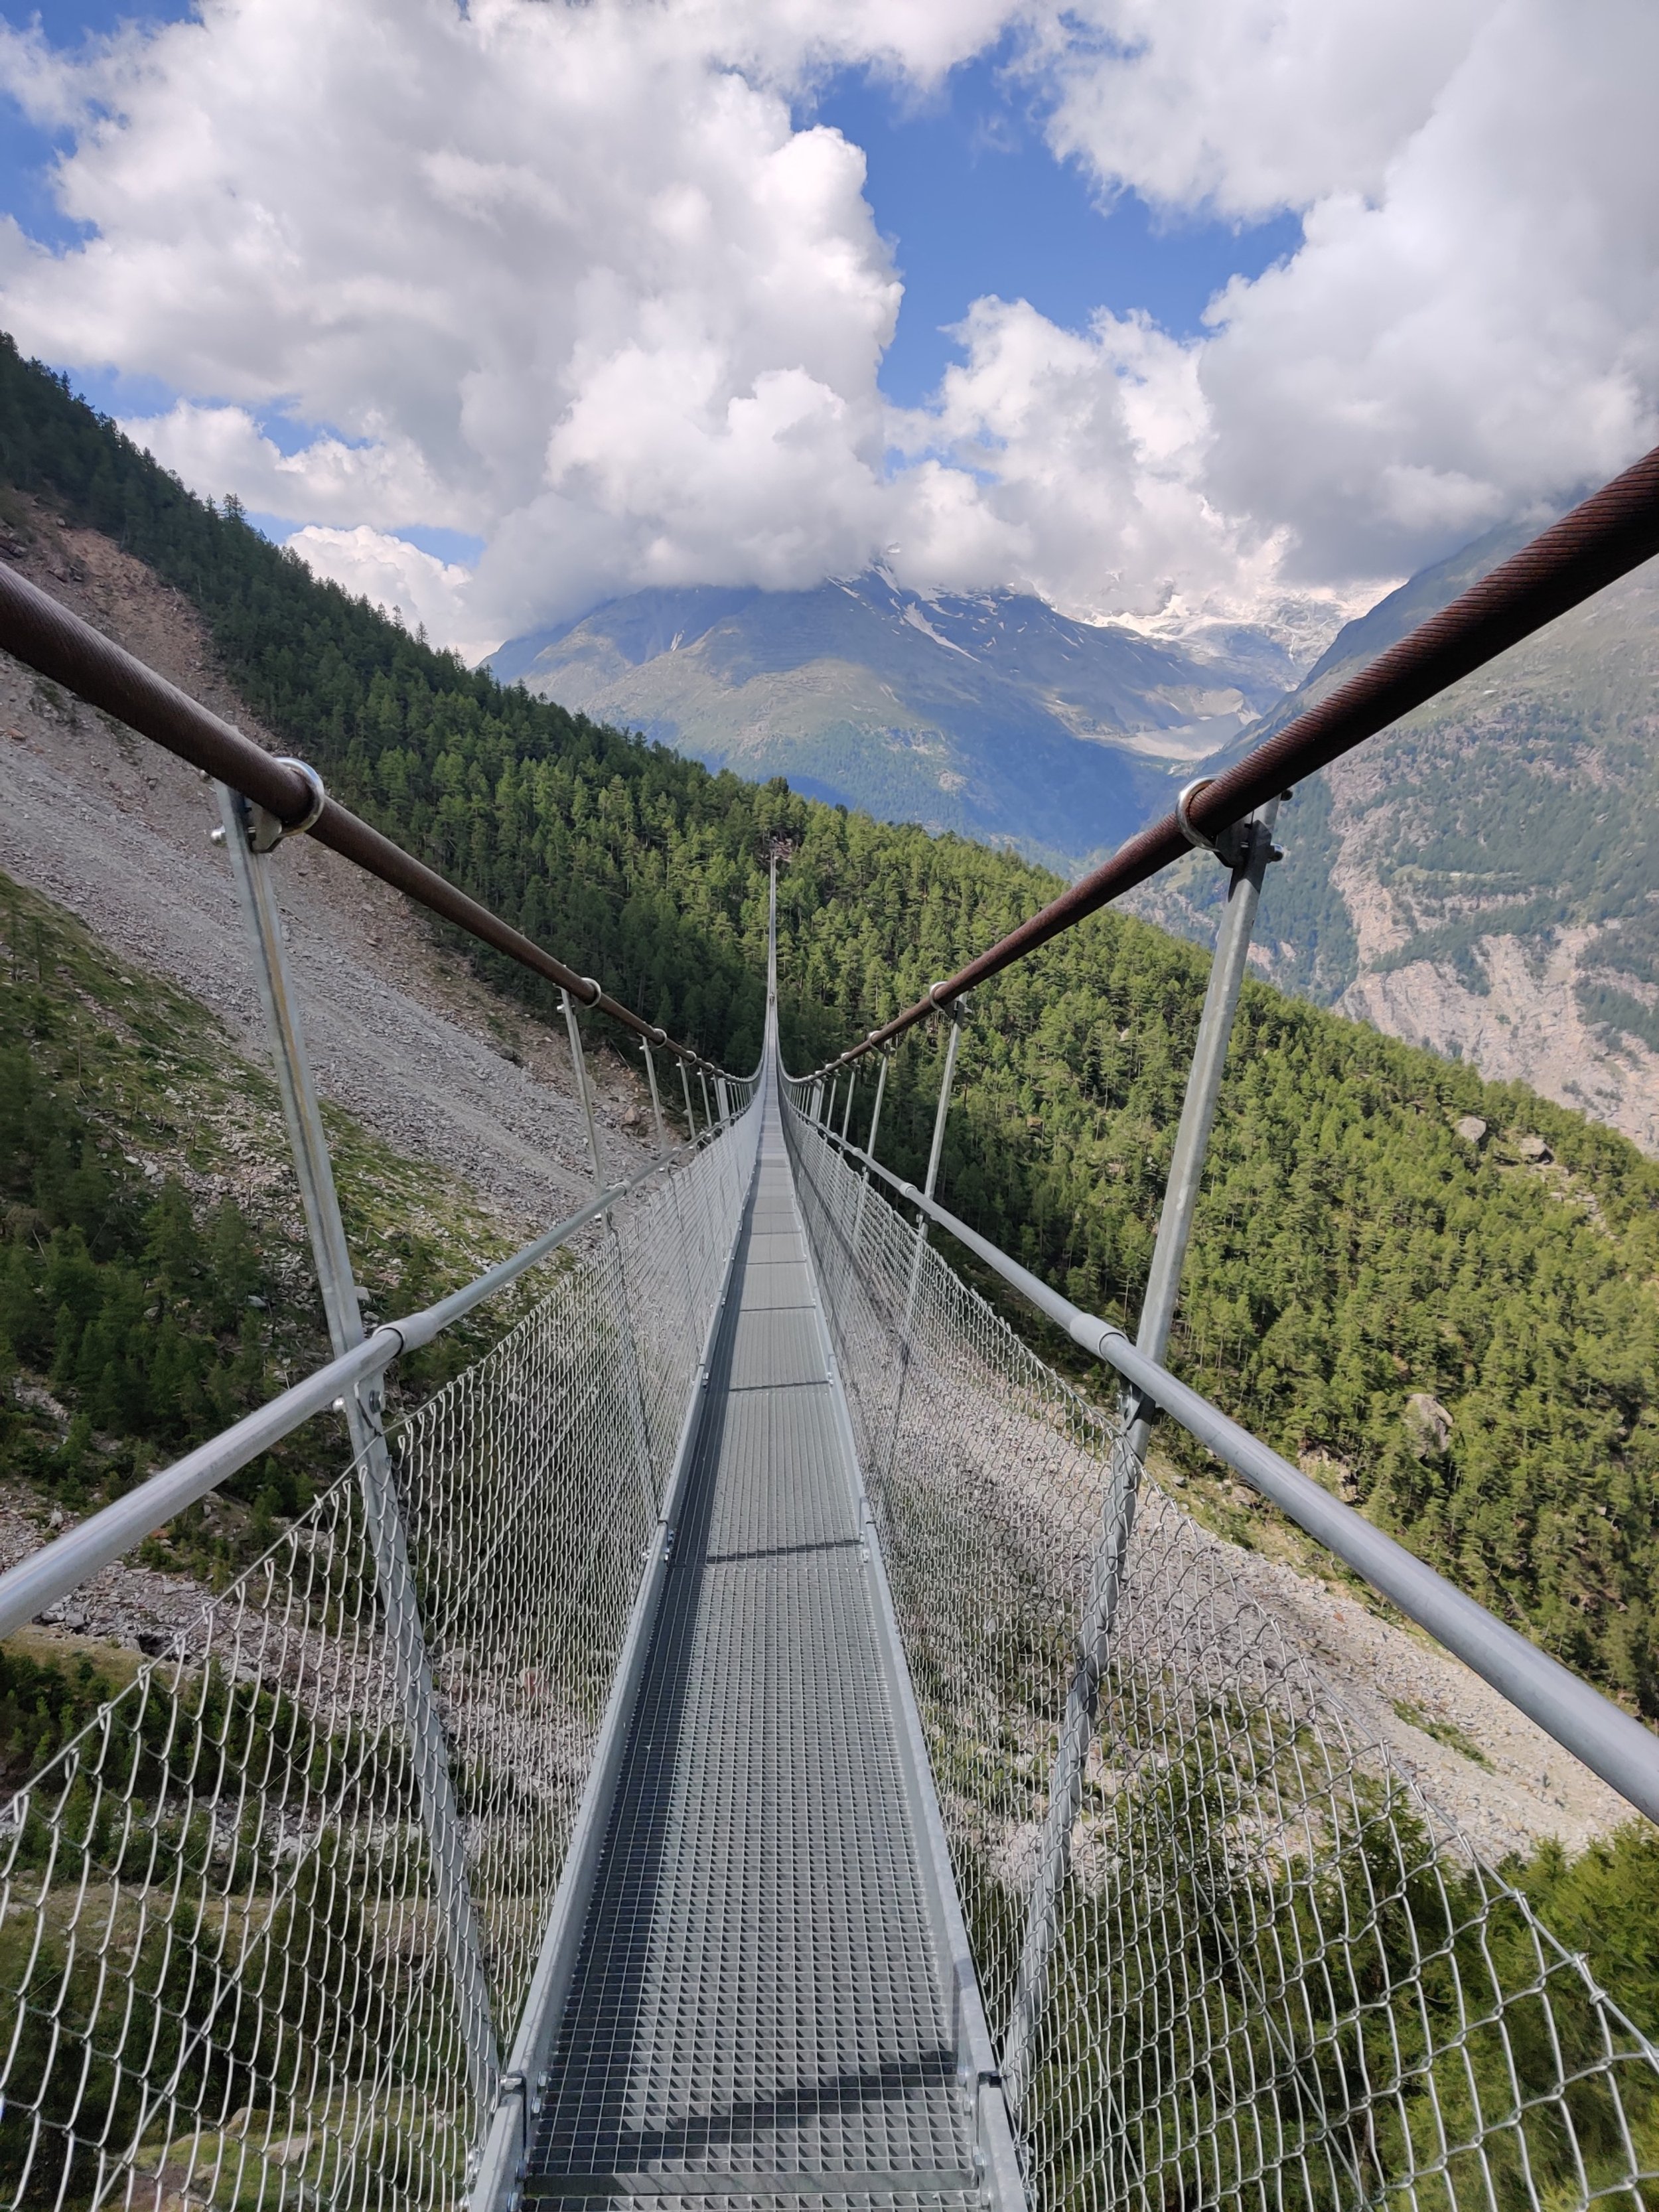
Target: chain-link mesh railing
{"x": 226, "y": 1976}
{"x": 1273, "y": 1974}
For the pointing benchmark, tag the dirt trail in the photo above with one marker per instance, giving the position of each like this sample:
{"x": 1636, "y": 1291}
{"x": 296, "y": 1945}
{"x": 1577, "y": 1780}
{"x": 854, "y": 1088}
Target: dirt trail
{"x": 400, "y": 1032}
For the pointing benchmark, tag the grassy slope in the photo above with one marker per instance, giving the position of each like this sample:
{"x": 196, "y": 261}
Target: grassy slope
{"x": 155, "y": 1283}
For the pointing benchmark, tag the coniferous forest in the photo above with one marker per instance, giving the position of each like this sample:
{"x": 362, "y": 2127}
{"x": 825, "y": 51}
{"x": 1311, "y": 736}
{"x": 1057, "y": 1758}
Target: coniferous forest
{"x": 1460, "y": 1333}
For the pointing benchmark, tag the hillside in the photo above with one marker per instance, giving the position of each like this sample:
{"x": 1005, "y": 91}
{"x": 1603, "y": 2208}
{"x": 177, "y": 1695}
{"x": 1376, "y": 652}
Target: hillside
{"x": 991, "y": 715}
{"x": 1483, "y": 879}
{"x": 401, "y": 1031}
{"x": 1355, "y": 1254}
{"x": 155, "y": 1282}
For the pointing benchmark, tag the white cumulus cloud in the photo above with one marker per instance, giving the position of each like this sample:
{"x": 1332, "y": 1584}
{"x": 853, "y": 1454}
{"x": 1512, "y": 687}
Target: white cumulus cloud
{"x": 426, "y": 592}
{"x": 573, "y": 279}
{"x": 385, "y": 480}
{"x": 1471, "y": 325}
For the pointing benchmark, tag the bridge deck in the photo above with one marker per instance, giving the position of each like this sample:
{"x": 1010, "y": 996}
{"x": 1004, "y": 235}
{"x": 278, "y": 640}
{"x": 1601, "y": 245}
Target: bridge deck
{"x": 759, "y": 2012}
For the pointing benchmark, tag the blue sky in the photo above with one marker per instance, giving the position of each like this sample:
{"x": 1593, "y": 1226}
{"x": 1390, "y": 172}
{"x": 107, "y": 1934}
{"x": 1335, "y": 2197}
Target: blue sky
{"x": 975, "y": 204}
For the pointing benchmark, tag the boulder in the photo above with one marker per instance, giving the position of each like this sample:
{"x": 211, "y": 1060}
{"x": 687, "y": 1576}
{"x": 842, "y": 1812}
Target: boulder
{"x": 1428, "y": 1425}
{"x": 1471, "y": 1129}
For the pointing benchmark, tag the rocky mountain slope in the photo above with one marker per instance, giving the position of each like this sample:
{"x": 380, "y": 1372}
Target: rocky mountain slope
{"x": 1482, "y": 879}
{"x": 401, "y": 1031}
{"x": 991, "y": 715}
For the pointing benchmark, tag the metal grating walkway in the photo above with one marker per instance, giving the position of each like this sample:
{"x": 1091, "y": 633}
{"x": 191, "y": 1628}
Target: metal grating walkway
{"x": 758, "y": 2013}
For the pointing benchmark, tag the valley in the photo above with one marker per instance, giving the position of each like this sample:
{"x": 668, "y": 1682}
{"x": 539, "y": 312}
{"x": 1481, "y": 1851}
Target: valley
{"x": 991, "y": 715}
{"x": 1355, "y": 1251}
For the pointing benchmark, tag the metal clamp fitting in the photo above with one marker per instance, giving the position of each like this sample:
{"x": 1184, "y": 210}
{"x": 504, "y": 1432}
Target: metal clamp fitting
{"x": 590, "y": 984}
{"x": 265, "y": 830}
{"x": 1230, "y": 846}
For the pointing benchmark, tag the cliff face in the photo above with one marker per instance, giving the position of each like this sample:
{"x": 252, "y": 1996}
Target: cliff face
{"x": 1484, "y": 878}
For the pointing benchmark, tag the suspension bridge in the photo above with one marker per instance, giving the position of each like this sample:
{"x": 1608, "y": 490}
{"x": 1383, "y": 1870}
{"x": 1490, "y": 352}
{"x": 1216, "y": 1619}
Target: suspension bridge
{"x": 759, "y": 1736}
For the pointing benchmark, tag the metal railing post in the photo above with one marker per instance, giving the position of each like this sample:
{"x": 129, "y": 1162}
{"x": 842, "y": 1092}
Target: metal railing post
{"x": 1251, "y": 849}
{"x": 870, "y": 1146}
{"x": 673, "y": 1180}
{"x": 634, "y": 1384}
{"x": 946, "y": 1077}
{"x": 846, "y": 1111}
{"x": 708, "y": 1110}
{"x": 584, "y": 1097}
{"x": 656, "y": 1102}
{"x": 935, "y": 1151}
{"x": 691, "y": 1118}
{"x": 248, "y": 835}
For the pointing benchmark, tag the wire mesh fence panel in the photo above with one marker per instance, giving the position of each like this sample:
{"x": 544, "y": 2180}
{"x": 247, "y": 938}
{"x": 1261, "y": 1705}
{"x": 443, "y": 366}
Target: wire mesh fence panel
{"x": 1271, "y": 1974}
{"x": 227, "y": 1972}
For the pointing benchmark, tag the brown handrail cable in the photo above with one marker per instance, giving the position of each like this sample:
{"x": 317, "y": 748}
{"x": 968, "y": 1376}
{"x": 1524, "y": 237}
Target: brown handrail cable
{"x": 1610, "y": 533}
{"x": 59, "y": 644}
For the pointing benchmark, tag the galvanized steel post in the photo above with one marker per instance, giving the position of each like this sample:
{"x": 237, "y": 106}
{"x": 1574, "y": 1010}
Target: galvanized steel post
{"x": 952, "y": 1042}
{"x": 1250, "y": 850}
{"x": 940, "y": 1111}
{"x": 248, "y": 835}
{"x": 708, "y": 1110}
{"x": 656, "y": 1102}
{"x": 870, "y": 1146}
{"x": 846, "y": 1111}
{"x": 633, "y": 1387}
{"x": 691, "y": 1118}
{"x": 578, "y": 1070}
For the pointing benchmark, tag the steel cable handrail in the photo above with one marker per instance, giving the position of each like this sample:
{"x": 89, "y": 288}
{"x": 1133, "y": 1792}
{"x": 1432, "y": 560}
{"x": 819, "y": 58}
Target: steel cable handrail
{"x": 1607, "y": 535}
{"x": 59, "y": 644}
{"x": 1623, "y": 1753}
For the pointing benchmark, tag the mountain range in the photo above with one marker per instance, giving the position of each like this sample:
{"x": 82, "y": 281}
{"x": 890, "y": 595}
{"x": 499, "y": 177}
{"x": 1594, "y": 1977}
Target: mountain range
{"x": 1483, "y": 879}
{"x": 991, "y": 715}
